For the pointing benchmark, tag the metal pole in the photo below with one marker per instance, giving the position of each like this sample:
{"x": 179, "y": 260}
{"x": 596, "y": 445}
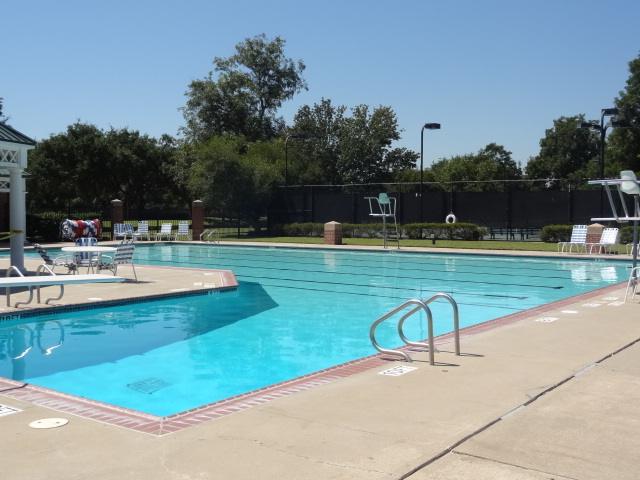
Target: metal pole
{"x": 421, "y": 167}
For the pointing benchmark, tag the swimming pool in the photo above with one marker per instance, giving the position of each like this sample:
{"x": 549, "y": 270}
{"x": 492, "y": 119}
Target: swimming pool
{"x": 296, "y": 311}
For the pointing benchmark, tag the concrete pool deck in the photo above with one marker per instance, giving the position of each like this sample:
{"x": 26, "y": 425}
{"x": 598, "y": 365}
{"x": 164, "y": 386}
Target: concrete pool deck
{"x": 550, "y": 393}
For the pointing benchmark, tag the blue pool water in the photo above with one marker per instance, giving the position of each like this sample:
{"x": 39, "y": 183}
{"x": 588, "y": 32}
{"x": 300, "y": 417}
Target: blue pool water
{"x": 296, "y": 311}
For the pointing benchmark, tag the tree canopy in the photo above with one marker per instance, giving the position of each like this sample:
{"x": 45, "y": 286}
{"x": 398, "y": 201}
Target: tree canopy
{"x": 250, "y": 87}
{"x": 350, "y": 149}
{"x": 567, "y": 154}
{"x": 624, "y": 143}
{"x": 86, "y": 165}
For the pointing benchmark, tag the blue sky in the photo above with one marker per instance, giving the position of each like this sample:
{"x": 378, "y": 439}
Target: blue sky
{"x": 488, "y": 70}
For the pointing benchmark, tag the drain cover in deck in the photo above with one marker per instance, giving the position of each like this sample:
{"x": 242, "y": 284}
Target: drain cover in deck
{"x": 49, "y": 423}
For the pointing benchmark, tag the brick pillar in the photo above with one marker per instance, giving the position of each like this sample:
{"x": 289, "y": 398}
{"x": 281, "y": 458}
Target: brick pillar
{"x": 594, "y": 232}
{"x": 197, "y": 219}
{"x": 117, "y": 214}
{"x": 333, "y": 233}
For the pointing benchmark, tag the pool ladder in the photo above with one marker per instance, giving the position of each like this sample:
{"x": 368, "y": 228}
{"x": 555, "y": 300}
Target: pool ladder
{"x": 420, "y": 305}
{"x": 208, "y": 233}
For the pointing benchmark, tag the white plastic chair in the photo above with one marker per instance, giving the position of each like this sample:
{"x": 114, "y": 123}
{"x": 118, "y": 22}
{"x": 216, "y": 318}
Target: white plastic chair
{"x": 128, "y": 230}
{"x": 85, "y": 259}
{"x": 165, "y": 231}
{"x": 142, "y": 231}
{"x": 578, "y": 239}
{"x": 608, "y": 239}
{"x": 183, "y": 230}
{"x": 118, "y": 231}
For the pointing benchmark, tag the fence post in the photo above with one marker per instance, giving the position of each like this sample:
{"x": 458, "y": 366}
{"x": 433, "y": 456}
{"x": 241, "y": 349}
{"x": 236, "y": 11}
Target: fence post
{"x": 197, "y": 219}
{"x": 117, "y": 214}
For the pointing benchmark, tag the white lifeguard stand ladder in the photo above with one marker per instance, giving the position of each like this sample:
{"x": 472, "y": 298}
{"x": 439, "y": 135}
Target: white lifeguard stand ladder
{"x": 383, "y": 206}
{"x": 627, "y": 183}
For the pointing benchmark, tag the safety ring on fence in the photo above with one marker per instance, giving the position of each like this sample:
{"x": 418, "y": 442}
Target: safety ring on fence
{"x": 451, "y": 218}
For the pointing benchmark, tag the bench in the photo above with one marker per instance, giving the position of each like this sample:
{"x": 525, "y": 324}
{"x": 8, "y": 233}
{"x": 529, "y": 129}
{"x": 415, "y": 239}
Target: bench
{"x": 49, "y": 280}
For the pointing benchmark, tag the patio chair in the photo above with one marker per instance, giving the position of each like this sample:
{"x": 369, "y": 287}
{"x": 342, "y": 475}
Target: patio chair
{"x": 608, "y": 239}
{"x": 142, "y": 231}
{"x": 59, "y": 261}
{"x": 165, "y": 231}
{"x": 578, "y": 239}
{"x": 183, "y": 230}
{"x": 119, "y": 231}
{"x": 84, "y": 259}
{"x": 128, "y": 230}
{"x": 123, "y": 256}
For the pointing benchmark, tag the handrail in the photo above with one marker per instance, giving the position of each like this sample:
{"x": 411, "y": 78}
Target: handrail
{"x": 39, "y": 272}
{"x": 13, "y": 268}
{"x": 207, "y": 234}
{"x": 420, "y": 305}
{"x": 372, "y": 330}
{"x": 456, "y": 317}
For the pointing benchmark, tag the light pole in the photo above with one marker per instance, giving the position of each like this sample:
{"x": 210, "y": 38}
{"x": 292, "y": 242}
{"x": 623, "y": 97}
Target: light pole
{"x": 427, "y": 126}
{"x": 602, "y": 128}
{"x": 286, "y": 169}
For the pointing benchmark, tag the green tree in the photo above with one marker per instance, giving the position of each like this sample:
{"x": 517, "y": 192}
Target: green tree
{"x": 86, "y": 165}
{"x": 351, "y": 149}
{"x": 488, "y": 170}
{"x": 566, "y": 156}
{"x": 236, "y": 176}
{"x": 250, "y": 87}
{"x": 623, "y": 144}
{"x": 321, "y": 125}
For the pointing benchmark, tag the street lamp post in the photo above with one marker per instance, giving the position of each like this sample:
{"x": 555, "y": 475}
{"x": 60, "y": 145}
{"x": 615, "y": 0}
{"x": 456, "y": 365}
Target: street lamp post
{"x": 602, "y": 128}
{"x": 286, "y": 169}
{"x": 427, "y": 126}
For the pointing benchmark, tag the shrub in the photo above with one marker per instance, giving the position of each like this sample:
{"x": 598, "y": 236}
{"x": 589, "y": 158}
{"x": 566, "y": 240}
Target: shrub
{"x": 449, "y": 231}
{"x": 45, "y": 227}
{"x": 556, "y": 233}
{"x": 307, "y": 229}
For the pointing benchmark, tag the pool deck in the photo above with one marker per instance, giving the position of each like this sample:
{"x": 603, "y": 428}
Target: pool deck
{"x": 551, "y": 393}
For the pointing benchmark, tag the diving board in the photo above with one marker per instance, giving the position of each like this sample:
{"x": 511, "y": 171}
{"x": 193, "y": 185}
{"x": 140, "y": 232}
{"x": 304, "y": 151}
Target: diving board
{"x": 49, "y": 280}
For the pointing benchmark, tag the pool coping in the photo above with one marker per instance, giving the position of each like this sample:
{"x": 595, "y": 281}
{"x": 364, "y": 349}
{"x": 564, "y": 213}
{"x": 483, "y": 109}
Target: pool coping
{"x": 159, "y": 426}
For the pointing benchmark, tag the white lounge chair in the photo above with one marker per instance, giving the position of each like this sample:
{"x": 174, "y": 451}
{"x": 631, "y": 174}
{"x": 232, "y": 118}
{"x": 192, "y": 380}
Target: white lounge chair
{"x": 578, "y": 239}
{"x": 183, "y": 230}
{"x": 608, "y": 239}
{"x": 118, "y": 231}
{"x": 123, "y": 256}
{"x": 165, "y": 231}
{"x": 142, "y": 231}
{"x": 128, "y": 230}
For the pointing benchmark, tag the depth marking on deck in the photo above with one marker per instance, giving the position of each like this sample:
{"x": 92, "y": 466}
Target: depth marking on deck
{"x": 547, "y": 319}
{"x": 6, "y": 410}
{"x": 397, "y": 371}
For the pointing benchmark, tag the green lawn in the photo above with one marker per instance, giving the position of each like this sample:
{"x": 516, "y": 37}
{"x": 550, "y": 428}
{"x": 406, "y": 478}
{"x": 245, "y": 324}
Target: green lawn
{"x": 484, "y": 245}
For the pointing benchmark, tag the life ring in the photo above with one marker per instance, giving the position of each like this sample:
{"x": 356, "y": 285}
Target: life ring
{"x": 451, "y": 218}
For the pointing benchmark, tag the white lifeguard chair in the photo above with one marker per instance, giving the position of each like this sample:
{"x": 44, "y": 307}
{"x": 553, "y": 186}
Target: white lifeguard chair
{"x": 383, "y": 206}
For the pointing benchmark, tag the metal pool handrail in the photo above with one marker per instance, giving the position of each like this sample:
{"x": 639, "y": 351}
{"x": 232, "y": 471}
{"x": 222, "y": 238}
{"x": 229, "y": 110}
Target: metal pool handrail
{"x": 419, "y": 305}
{"x": 208, "y": 233}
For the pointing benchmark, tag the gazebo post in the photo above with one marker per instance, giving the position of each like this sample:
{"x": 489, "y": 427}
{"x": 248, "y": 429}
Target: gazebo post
{"x": 14, "y": 147}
